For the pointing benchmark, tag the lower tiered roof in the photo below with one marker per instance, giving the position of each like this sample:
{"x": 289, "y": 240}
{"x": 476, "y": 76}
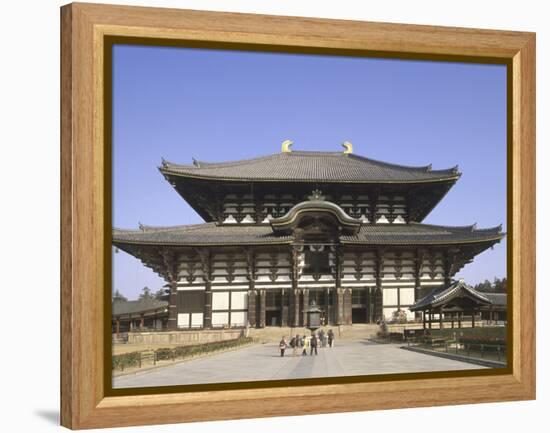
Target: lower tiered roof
{"x": 368, "y": 234}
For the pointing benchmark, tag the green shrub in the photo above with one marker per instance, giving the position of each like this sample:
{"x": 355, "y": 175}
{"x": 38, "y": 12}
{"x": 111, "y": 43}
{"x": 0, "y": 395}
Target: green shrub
{"x": 126, "y": 360}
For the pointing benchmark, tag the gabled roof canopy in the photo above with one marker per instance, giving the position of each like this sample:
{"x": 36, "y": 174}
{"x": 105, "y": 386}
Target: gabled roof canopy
{"x": 316, "y": 208}
{"x": 456, "y": 295}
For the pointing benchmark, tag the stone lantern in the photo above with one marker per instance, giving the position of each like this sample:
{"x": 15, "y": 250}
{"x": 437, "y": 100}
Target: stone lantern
{"x": 313, "y": 313}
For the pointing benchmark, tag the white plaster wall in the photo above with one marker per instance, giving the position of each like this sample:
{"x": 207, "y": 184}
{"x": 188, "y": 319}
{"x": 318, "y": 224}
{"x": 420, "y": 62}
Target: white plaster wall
{"x": 239, "y": 300}
{"x": 389, "y": 296}
{"x": 220, "y": 300}
{"x": 219, "y": 319}
{"x": 238, "y": 318}
{"x": 196, "y": 320}
{"x": 406, "y": 296}
{"x": 183, "y": 320}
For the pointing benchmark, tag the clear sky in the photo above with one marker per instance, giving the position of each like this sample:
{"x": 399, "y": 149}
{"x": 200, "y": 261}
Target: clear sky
{"x": 216, "y": 105}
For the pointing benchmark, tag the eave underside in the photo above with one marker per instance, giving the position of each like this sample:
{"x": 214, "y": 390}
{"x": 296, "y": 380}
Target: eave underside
{"x": 205, "y": 196}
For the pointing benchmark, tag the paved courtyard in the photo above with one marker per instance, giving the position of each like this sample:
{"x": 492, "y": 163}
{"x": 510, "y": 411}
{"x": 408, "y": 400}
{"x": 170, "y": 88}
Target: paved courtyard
{"x": 263, "y": 362}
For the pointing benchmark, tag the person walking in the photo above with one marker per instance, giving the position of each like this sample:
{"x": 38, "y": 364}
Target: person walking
{"x": 314, "y": 343}
{"x": 330, "y": 336}
{"x": 322, "y": 337}
{"x": 282, "y": 346}
{"x": 296, "y": 345}
{"x": 305, "y": 343}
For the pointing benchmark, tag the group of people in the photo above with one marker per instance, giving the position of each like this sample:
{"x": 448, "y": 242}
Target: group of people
{"x": 322, "y": 339}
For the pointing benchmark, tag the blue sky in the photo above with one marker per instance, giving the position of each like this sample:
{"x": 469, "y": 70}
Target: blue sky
{"x": 216, "y": 105}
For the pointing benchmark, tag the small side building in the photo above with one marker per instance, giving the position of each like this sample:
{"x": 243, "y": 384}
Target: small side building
{"x": 458, "y": 303}
{"x": 142, "y": 314}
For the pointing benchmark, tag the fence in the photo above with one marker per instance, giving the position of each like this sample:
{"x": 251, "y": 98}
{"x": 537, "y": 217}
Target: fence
{"x": 483, "y": 350}
{"x": 152, "y": 357}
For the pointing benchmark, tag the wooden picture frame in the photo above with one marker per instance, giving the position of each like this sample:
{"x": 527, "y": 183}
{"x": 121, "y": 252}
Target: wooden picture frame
{"x": 85, "y": 226}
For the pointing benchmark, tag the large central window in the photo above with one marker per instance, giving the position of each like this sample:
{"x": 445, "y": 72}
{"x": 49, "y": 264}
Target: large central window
{"x": 316, "y": 263}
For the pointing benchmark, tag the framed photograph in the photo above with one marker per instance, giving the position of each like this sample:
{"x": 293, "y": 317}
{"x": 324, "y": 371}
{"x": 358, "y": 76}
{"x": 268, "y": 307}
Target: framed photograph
{"x": 318, "y": 215}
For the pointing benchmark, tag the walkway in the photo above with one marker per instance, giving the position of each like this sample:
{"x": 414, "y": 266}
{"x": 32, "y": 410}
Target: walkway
{"x": 262, "y": 362}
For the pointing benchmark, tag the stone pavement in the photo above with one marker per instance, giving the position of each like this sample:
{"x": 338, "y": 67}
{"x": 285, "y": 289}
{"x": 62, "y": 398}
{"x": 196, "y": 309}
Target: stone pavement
{"x": 263, "y": 362}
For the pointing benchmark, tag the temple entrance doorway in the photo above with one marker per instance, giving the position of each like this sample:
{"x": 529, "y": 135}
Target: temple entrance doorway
{"x": 273, "y": 307}
{"x": 359, "y": 305}
{"x": 358, "y": 315}
{"x": 273, "y": 318}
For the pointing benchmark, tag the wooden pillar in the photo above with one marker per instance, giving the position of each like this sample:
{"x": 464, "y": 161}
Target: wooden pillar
{"x": 473, "y": 319}
{"x": 452, "y": 320}
{"x": 441, "y": 318}
{"x": 418, "y": 261}
{"x": 169, "y": 259}
{"x": 295, "y": 293}
{"x": 460, "y": 319}
{"x": 262, "y": 308}
{"x": 431, "y": 319}
{"x": 173, "y": 307}
{"x": 368, "y": 305}
{"x": 424, "y": 319}
{"x": 327, "y": 306}
{"x": 347, "y": 306}
{"x": 417, "y": 275}
{"x": 141, "y": 322}
{"x": 252, "y": 308}
{"x": 250, "y": 255}
{"x": 378, "y": 297}
{"x": 207, "y": 318}
{"x": 339, "y": 306}
{"x": 117, "y": 326}
{"x": 296, "y": 310}
{"x": 305, "y": 305}
{"x": 284, "y": 309}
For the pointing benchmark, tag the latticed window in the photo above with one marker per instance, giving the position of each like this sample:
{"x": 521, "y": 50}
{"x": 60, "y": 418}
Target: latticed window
{"x": 358, "y": 296}
{"x": 319, "y": 296}
{"x": 316, "y": 262}
{"x": 273, "y": 298}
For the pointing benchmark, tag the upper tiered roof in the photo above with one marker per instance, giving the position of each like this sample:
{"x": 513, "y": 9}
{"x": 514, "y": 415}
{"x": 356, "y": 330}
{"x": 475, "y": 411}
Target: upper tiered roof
{"x": 309, "y": 166}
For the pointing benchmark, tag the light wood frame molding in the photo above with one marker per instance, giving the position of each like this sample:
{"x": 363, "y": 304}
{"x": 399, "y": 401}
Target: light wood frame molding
{"x": 84, "y": 27}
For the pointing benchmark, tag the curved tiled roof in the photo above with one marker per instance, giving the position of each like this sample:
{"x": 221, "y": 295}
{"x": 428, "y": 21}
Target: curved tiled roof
{"x": 417, "y": 233}
{"x": 375, "y": 234}
{"x": 500, "y": 299}
{"x": 310, "y": 166}
{"x": 200, "y": 234}
{"x": 443, "y": 295}
{"x": 287, "y": 221}
{"x": 137, "y": 306}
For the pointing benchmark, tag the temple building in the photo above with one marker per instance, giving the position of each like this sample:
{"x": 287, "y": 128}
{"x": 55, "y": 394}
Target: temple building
{"x": 286, "y": 229}
{"x": 138, "y": 315}
{"x": 449, "y": 305}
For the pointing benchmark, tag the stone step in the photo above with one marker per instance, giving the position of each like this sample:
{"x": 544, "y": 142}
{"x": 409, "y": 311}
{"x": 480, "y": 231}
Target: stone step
{"x": 347, "y": 332}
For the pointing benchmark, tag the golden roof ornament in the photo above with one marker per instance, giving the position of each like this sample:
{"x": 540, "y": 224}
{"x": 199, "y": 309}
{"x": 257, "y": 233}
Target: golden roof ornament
{"x": 285, "y": 146}
{"x": 316, "y": 194}
{"x": 347, "y": 146}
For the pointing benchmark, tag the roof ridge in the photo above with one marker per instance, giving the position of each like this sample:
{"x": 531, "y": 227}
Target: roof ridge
{"x": 424, "y": 168}
{"x": 198, "y": 164}
{"x": 148, "y": 228}
{"x": 471, "y": 227}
